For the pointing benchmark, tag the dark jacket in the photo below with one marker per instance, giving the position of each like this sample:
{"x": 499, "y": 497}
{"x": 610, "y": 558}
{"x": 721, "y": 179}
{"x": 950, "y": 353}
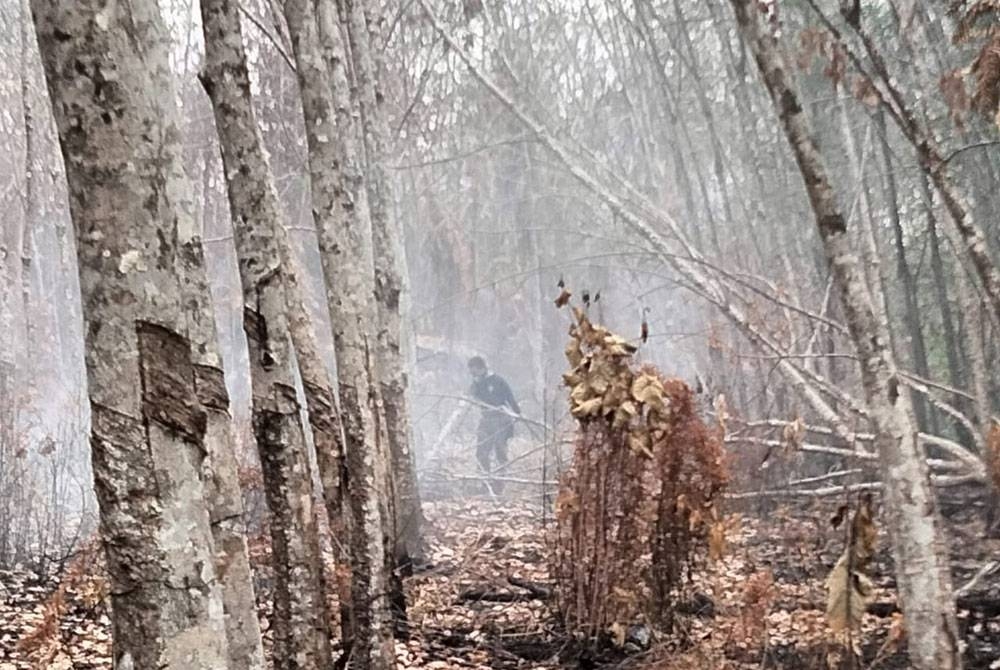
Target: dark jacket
{"x": 493, "y": 390}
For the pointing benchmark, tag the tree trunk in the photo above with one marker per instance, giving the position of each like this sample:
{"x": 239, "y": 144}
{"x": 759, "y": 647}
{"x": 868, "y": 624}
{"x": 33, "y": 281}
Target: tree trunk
{"x": 948, "y": 320}
{"x": 390, "y": 288}
{"x": 301, "y": 618}
{"x": 921, "y": 566}
{"x": 113, "y": 99}
{"x": 340, "y": 210}
{"x": 904, "y": 274}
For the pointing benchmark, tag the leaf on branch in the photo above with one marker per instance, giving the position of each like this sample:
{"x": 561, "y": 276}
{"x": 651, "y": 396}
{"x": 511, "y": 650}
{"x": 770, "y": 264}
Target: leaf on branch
{"x": 587, "y": 408}
{"x": 865, "y": 92}
{"x": 794, "y": 432}
{"x": 849, "y": 589}
{"x": 839, "y": 517}
{"x": 986, "y": 72}
{"x": 848, "y": 594}
{"x": 563, "y": 298}
{"x": 952, "y": 85}
{"x": 648, "y": 390}
{"x": 721, "y": 411}
{"x": 618, "y": 346}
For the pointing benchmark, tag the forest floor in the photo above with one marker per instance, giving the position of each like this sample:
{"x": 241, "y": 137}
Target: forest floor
{"x": 761, "y": 606}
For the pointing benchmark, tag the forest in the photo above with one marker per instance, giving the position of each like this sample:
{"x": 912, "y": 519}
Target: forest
{"x": 432, "y": 334}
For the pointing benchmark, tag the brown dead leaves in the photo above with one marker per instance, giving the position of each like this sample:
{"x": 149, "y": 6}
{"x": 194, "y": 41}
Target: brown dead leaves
{"x": 601, "y": 382}
{"x": 849, "y": 588}
{"x": 638, "y": 504}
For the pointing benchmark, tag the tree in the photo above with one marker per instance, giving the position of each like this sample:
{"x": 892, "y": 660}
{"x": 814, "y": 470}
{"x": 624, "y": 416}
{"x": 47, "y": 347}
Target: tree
{"x": 152, "y": 394}
{"x": 922, "y": 571}
{"x": 340, "y": 211}
{"x": 301, "y": 619}
{"x": 390, "y": 268}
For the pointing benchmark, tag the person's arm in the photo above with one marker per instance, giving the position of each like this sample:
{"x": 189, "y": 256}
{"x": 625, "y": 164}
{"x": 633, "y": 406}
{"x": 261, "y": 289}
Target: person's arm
{"x": 509, "y": 397}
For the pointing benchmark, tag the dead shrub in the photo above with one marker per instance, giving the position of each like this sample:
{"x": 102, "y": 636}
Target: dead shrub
{"x": 638, "y": 504}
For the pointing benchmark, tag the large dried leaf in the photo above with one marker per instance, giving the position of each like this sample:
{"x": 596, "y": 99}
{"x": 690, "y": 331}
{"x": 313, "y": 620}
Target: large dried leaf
{"x": 587, "y": 408}
{"x": 648, "y": 390}
{"x": 848, "y": 595}
{"x": 849, "y": 589}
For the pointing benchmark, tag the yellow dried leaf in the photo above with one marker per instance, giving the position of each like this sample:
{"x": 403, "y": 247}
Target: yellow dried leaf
{"x": 618, "y": 346}
{"x": 717, "y": 543}
{"x": 572, "y": 378}
{"x": 721, "y": 411}
{"x": 647, "y": 389}
{"x": 794, "y": 432}
{"x": 600, "y": 377}
{"x": 574, "y": 354}
{"x": 849, "y": 590}
{"x": 848, "y": 594}
{"x": 618, "y": 634}
{"x": 587, "y": 407}
{"x": 624, "y": 414}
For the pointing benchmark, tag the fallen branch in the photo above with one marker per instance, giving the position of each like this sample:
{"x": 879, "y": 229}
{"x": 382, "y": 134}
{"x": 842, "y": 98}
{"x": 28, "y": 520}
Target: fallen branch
{"x": 491, "y": 596}
{"x": 539, "y": 591}
{"x": 985, "y": 571}
{"x": 828, "y": 491}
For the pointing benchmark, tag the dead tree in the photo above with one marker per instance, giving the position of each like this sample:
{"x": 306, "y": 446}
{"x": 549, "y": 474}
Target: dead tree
{"x": 922, "y": 570}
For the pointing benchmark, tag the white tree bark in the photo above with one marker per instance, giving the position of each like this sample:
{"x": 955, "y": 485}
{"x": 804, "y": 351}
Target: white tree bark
{"x": 922, "y": 571}
{"x": 301, "y": 619}
{"x": 113, "y": 99}
{"x": 390, "y": 286}
{"x": 340, "y": 210}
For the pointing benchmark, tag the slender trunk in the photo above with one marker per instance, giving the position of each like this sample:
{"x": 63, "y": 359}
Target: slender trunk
{"x": 301, "y": 619}
{"x": 113, "y": 99}
{"x": 948, "y": 320}
{"x": 905, "y": 276}
{"x": 340, "y": 210}
{"x": 390, "y": 286}
{"x": 921, "y": 566}
{"x": 935, "y": 166}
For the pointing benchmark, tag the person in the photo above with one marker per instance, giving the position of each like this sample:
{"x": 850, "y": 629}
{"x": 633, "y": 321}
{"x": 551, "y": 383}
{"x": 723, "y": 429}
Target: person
{"x": 496, "y": 425}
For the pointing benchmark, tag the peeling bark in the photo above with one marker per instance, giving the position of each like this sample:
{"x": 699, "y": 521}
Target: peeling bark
{"x": 156, "y": 392}
{"x": 340, "y": 210}
{"x": 270, "y": 293}
{"x": 922, "y": 573}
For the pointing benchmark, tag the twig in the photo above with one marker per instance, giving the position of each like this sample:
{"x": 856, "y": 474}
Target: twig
{"x": 271, "y": 38}
{"x": 985, "y": 571}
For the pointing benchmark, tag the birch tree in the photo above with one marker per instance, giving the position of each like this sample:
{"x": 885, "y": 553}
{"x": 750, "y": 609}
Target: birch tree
{"x": 113, "y": 100}
{"x": 922, "y": 571}
{"x": 301, "y": 619}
